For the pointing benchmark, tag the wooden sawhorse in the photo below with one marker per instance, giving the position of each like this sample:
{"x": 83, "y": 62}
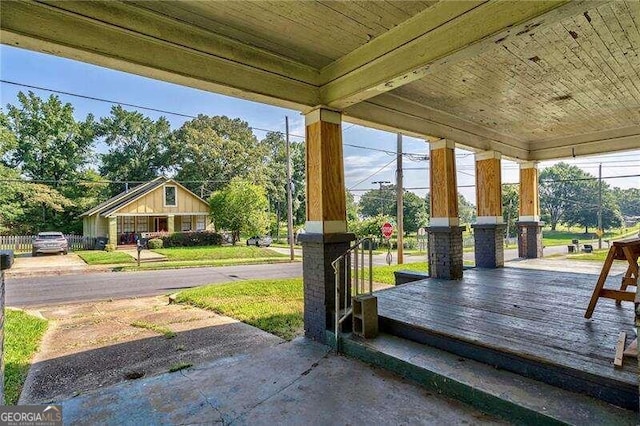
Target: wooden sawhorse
{"x": 628, "y": 250}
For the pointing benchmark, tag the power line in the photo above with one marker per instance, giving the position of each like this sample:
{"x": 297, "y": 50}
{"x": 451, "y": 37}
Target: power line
{"x": 110, "y": 101}
{"x": 372, "y": 174}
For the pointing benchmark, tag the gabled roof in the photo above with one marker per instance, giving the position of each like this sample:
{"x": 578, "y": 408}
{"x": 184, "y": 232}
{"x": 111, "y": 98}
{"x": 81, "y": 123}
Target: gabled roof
{"x": 116, "y": 203}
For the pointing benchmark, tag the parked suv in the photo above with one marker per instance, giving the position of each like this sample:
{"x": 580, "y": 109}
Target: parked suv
{"x": 259, "y": 241}
{"x": 50, "y": 242}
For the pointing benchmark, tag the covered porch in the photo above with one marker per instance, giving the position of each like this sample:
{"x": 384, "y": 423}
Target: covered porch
{"x": 131, "y": 227}
{"x": 530, "y": 322}
{"x": 527, "y": 81}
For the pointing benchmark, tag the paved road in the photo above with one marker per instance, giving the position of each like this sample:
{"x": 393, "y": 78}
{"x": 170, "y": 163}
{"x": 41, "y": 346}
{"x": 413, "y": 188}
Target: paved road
{"x": 50, "y": 290}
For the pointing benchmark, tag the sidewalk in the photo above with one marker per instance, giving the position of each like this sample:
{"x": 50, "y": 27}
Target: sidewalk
{"x": 145, "y": 255}
{"x": 295, "y": 383}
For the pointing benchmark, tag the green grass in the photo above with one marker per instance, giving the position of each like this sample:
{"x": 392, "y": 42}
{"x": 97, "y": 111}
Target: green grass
{"x": 599, "y": 255}
{"x": 274, "y": 306}
{"x": 563, "y": 237}
{"x": 98, "y": 257}
{"x": 217, "y": 253}
{"x": 384, "y": 274}
{"x": 160, "y": 329}
{"x": 179, "y": 264}
{"x": 23, "y": 333}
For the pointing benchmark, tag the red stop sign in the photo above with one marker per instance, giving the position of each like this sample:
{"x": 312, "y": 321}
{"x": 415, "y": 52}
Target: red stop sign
{"x": 387, "y": 230}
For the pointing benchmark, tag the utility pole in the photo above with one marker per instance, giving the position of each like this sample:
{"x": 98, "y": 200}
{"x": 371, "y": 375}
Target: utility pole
{"x": 289, "y": 194}
{"x": 381, "y": 182}
{"x": 600, "y": 206}
{"x": 399, "y": 200}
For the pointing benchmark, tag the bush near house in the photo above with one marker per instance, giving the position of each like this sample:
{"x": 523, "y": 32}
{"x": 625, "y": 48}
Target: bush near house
{"x": 192, "y": 239}
{"x": 155, "y": 243}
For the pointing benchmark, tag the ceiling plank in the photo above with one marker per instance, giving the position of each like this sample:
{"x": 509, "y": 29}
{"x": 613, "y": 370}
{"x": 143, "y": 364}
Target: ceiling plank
{"x": 393, "y": 113}
{"x": 183, "y": 55}
{"x": 443, "y": 34}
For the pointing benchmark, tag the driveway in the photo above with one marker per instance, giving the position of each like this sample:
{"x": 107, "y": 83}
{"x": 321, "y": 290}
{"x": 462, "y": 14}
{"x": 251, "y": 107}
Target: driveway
{"x": 47, "y": 264}
{"x": 92, "y": 345}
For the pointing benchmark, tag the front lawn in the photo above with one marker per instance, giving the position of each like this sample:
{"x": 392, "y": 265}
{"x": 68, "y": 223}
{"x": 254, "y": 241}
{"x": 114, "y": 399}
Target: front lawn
{"x": 23, "y": 333}
{"x": 599, "y": 255}
{"x": 384, "y": 274}
{"x": 98, "y": 257}
{"x": 217, "y": 253}
{"x": 274, "y": 306}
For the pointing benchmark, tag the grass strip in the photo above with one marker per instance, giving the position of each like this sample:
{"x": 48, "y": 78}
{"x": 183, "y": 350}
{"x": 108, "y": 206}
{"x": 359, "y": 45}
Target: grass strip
{"x": 274, "y": 306}
{"x": 98, "y": 257}
{"x": 23, "y": 333}
{"x": 199, "y": 263}
{"x": 160, "y": 329}
{"x": 217, "y": 253}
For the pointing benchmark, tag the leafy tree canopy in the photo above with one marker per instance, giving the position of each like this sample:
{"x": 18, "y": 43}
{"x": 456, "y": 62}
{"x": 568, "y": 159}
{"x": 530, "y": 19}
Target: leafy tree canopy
{"x": 218, "y": 149}
{"x": 138, "y": 147}
{"x": 43, "y": 139}
{"x": 241, "y": 207}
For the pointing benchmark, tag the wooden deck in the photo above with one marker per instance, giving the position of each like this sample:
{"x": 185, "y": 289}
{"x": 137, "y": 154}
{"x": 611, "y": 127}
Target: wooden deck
{"x": 527, "y": 321}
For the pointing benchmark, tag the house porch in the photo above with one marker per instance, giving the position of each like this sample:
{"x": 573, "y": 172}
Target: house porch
{"x": 530, "y": 322}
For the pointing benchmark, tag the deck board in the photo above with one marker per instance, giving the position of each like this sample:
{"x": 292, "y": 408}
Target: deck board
{"x": 537, "y": 315}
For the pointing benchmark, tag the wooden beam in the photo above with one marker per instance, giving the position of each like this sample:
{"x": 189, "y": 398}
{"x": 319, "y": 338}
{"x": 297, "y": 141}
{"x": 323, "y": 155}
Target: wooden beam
{"x": 326, "y": 195}
{"x": 393, "y": 113}
{"x": 443, "y": 34}
{"x": 601, "y": 142}
{"x": 488, "y": 187}
{"x": 134, "y": 40}
{"x": 444, "y": 188}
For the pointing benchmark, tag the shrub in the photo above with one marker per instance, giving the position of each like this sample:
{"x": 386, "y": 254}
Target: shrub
{"x": 192, "y": 239}
{"x": 110, "y": 247}
{"x": 155, "y": 243}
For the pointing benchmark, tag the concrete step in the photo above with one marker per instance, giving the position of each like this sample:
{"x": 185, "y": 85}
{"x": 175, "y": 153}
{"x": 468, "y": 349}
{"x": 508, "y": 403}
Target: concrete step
{"x": 513, "y": 397}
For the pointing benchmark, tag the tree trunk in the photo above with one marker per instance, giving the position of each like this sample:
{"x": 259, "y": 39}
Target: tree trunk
{"x": 586, "y": 229}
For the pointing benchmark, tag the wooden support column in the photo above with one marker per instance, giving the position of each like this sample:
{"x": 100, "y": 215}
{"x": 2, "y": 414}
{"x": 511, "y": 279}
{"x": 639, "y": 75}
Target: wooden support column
{"x": 529, "y": 224}
{"x": 326, "y": 197}
{"x": 489, "y": 227}
{"x": 113, "y": 230}
{"x": 326, "y": 236}
{"x": 445, "y": 236}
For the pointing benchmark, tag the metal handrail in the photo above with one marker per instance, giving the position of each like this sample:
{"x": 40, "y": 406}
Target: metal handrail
{"x": 354, "y": 281}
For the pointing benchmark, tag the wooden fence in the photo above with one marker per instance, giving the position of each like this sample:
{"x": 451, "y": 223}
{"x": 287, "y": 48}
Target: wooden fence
{"x": 25, "y": 242}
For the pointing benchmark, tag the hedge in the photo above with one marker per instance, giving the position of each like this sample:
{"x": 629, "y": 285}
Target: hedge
{"x": 192, "y": 239}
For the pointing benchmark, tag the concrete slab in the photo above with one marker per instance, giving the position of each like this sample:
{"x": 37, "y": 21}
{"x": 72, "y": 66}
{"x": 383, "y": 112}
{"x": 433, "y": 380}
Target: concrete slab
{"x": 94, "y": 345}
{"x": 47, "y": 264}
{"x": 297, "y": 383}
{"x": 145, "y": 255}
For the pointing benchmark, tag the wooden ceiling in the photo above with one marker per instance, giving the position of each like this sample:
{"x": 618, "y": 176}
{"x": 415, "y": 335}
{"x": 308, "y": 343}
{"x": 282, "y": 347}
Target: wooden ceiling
{"x": 532, "y": 79}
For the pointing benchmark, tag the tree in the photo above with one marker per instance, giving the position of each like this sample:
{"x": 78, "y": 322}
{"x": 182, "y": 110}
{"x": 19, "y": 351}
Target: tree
{"x": 138, "y": 147}
{"x": 628, "y": 200}
{"x": 510, "y": 208}
{"x": 216, "y": 150}
{"x": 585, "y": 213}
{"x": 275, "y": 160}
{"x": 352, "y": 208}
{"x": 466, "y": 210}
{"x": 561, "y": 191}
{"x": 377, "y": 202}
{"x": 48, "y": 143}
{"x": 42, "y": 141}
{"x": 240, "y": 208}
{"x": 415, "y": 213}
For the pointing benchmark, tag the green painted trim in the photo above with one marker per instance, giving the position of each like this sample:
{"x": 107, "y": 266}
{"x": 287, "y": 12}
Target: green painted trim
{"x": 445, "y": 386}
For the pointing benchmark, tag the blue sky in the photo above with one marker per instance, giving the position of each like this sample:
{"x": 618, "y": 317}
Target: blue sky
{"x": 43, "y": 70}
